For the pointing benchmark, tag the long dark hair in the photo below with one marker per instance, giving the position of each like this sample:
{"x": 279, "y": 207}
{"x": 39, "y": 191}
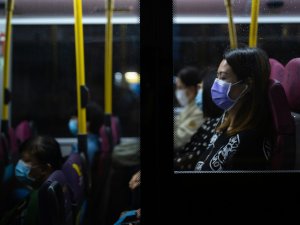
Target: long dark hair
{"x": 251, "y": 65}
{"x": 189, "y": 76}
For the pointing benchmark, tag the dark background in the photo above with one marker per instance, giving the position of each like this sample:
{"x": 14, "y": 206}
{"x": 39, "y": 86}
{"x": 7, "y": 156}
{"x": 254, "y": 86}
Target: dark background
{"x": 44, "y": 75}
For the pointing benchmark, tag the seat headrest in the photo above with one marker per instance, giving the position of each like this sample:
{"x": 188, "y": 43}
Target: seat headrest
{"x": 292, "y": 84}
{"x": 58, "y": 176}
{"x": 277, "y": 70}
{"x": 281, "y": 115}
{"x": 73, "y": 170}
{"x": 23, "y": 131}
{"x": 54, "y": 190}
{"x": 110, "y": 134}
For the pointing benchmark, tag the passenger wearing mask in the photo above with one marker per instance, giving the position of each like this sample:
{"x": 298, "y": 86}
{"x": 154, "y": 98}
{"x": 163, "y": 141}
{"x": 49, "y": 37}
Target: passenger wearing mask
{"x": 95, "y": 117}
{"x": 40, "y": 156}
{"x": 191, "y": 117}
{"x": 239, "y": 139}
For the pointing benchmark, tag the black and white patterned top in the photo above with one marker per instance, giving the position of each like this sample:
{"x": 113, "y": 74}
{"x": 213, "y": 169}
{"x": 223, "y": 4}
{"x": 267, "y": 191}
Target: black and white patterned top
{"x": 212, "y": 151}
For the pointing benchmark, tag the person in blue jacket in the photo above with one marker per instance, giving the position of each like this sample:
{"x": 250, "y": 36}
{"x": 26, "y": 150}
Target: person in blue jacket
{"x": 95, "y": 118}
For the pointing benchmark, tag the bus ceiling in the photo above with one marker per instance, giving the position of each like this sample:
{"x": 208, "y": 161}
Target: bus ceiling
{"x": 127, "y": 11}
{"x": 239, "y": 7}
{"x": 131, "y": 7}
{"x": 36, "y": 8}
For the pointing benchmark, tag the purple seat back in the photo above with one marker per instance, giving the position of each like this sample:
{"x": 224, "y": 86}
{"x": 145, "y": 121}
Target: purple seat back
{"x": 23, "y": 131}
{"x": 54, "y": 200}
{"x": 73, "y": 170}
{"x": 292, "y": 84}
{"x": 109, "y": 135}
{"x": 283, "y": 156}
{"x": 277, "y": 71}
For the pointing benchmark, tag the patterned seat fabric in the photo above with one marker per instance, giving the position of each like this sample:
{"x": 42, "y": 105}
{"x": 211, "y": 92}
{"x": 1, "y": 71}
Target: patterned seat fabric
{"x": 55, "y": 201}
{"x": 73, "y": 170}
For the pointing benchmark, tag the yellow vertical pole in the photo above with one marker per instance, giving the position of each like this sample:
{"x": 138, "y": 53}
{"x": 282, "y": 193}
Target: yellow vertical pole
{"x": 231, "y": 26}
{"x": 80, "y": 76}
{"x": 254, "y": 23}
{"x": 6, "y": 77}
{"x": 108, "y": 58}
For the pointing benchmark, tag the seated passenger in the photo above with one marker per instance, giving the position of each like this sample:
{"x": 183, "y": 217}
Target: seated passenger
{"x": 95, "y": 117}
{"x": 191, "y": 117}
{"x": 211, "y": 113}
{"x": 40, "y": 156}
{"x": 132, "y": 216}
{"x": 237, "y": 140}
{"x": 203, "y": 99}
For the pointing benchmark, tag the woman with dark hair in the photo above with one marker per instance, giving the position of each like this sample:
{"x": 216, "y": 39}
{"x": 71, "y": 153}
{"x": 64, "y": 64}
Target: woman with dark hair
{"x": 40, "y": 157}
{"x": 239, "y": 138}
{"x": 95, "y": 119}
{"x": 203, "y": 98}
{"x": 191, "y": 117}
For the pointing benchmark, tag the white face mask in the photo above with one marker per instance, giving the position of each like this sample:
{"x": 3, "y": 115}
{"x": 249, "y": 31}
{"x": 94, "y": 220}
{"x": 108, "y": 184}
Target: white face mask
{"x": 199, "y": 99}
{"x": 182, "y": 98}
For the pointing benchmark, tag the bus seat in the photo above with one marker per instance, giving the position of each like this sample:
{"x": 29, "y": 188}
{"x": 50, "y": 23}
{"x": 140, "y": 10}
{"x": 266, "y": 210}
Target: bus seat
{"x": 116, "y": 130}
{"x": 292, "y": 72}
{"x": 73, "y": 170}
{"x": 292, "y": 84}
{"x": 277, "y": 70}
{"x": 110, "y": 135}
{"x": 54, "y": 201}
{"x": 23, "y": 131}
{"x": 283, "y": 155}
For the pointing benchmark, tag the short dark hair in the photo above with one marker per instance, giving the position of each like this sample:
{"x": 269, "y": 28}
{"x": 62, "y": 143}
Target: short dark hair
{"x": 95, "y": 116}
{"x": 189, "y": 76}
{"x": 44, "y": 149}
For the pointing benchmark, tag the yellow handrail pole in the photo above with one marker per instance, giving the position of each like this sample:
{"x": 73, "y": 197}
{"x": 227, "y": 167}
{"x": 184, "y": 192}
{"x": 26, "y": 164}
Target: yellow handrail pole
{"x": 108, "y": 58}
{"x": 231, "y": 26}
{"x": 80, "y": 76}
{"x": 6, "y": 77}
{"x": 254, "y": 23}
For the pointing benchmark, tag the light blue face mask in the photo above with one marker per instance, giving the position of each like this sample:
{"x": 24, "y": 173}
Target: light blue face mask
{"x": 73, "y": 126}
{"x": 22, "y": 172}
{"x": 199, "y": 99}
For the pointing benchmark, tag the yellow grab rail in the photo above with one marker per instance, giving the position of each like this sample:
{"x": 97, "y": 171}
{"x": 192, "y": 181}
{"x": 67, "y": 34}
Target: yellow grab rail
{"x": 231, "y": 26}
{"x": 80, "y": 80}
{"x": 254, "y": 23}
{"x": 108, "y": 58}
{"x": 80, "y": 69}
{"x": 6, "y": 77}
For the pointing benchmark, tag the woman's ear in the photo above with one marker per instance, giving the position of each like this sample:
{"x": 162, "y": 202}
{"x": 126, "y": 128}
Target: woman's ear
{"x": 47, "y": 169}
